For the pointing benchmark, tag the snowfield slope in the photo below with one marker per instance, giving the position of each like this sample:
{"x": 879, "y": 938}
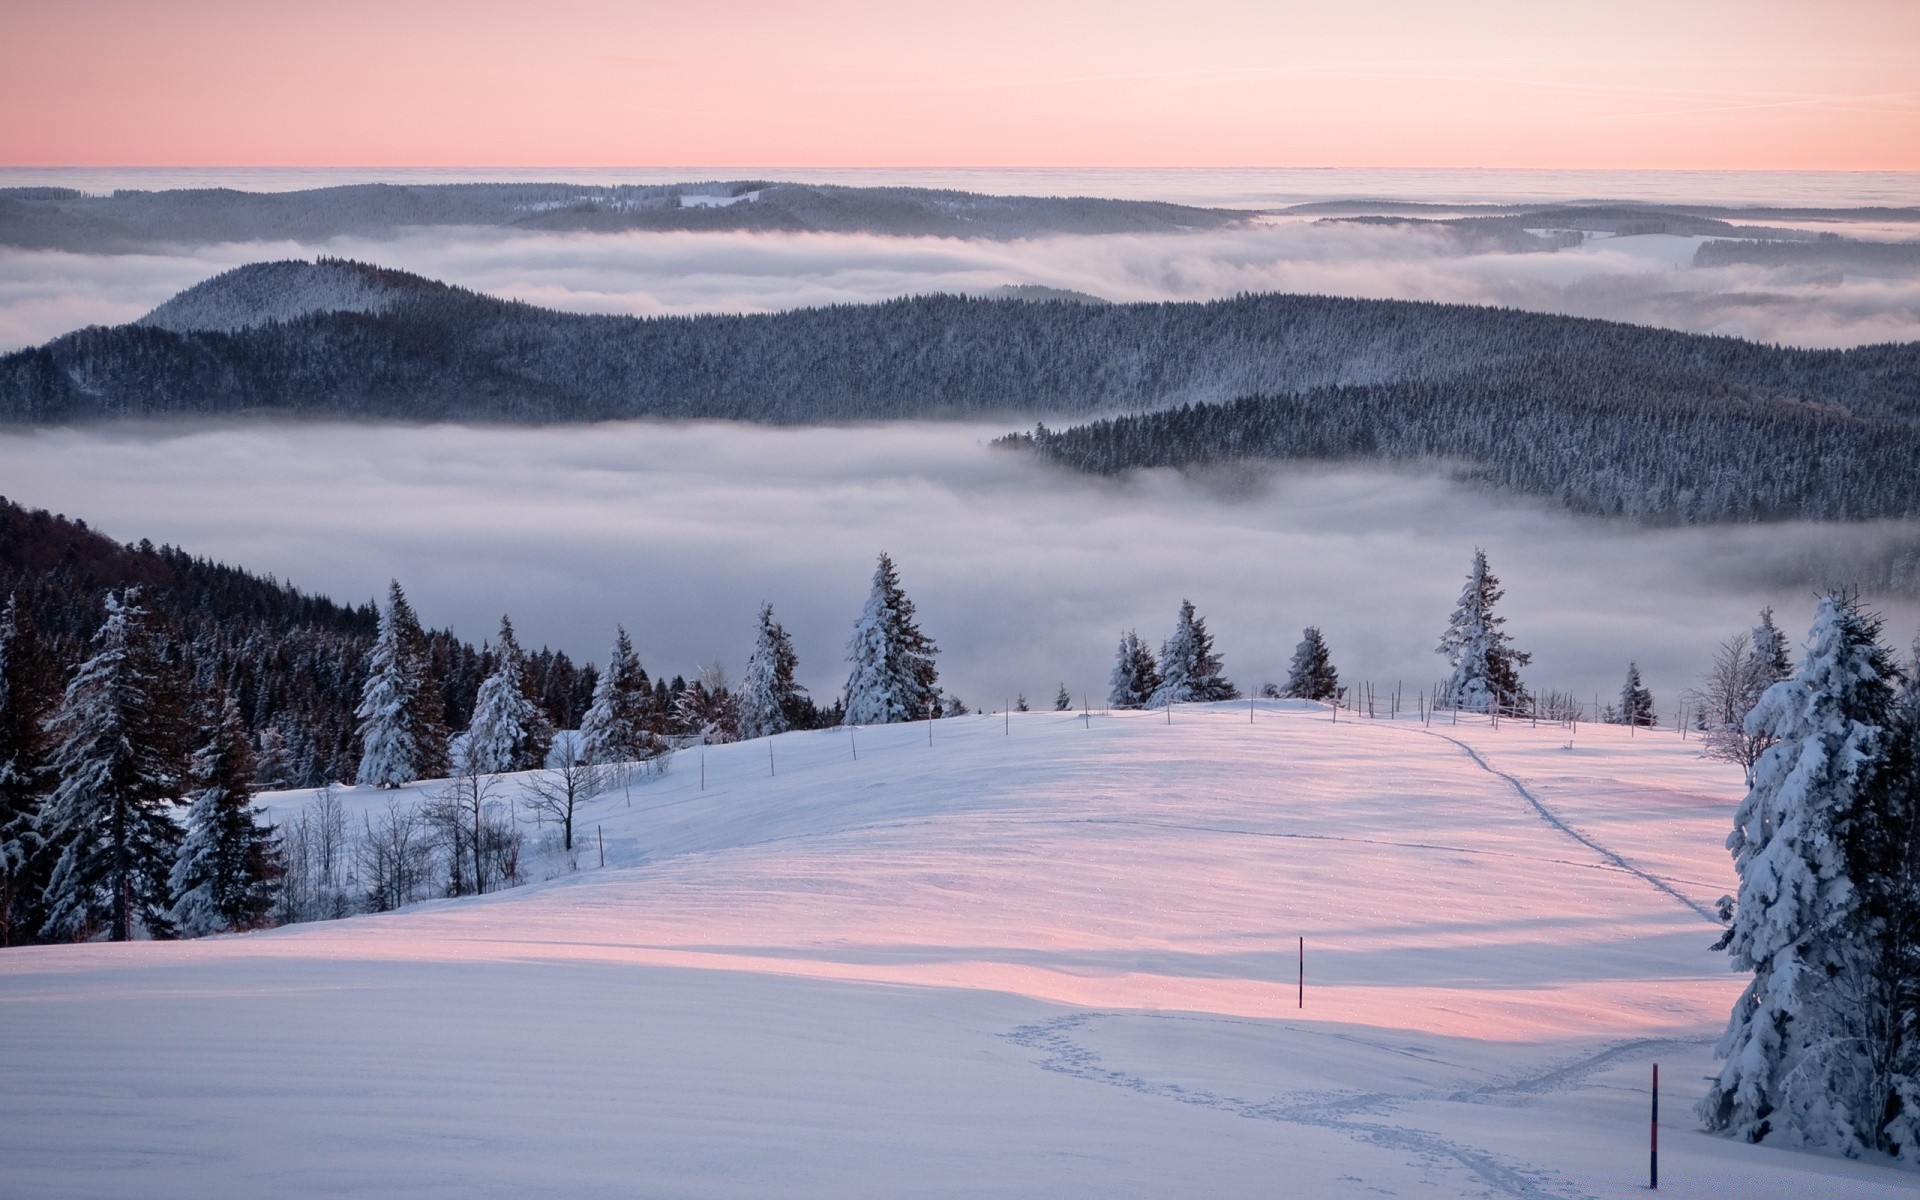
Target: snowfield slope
{"x": 1055, "y": 956}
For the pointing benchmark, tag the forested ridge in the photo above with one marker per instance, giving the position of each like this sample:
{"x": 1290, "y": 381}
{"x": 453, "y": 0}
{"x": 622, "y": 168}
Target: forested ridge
{"x": 294, "y": 663}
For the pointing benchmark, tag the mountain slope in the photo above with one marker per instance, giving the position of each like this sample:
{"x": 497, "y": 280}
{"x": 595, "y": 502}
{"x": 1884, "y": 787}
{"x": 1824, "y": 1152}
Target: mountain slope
{"x": 1051, "y": 957}
{"x": 264, "y": 293}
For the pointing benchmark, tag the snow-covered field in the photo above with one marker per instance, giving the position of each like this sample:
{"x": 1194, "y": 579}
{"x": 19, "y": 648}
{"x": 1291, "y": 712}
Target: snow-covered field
{"x": 1054, "y": 956}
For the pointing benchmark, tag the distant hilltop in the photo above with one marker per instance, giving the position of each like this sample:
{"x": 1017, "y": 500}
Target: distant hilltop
{"x": 124, "y": 221}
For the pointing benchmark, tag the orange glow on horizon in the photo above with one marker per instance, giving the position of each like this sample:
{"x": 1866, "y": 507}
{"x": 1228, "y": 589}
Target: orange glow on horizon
{"x": 1716, "y": 84}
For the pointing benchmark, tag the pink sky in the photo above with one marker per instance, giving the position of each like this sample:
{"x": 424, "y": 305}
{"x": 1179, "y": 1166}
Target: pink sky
{"x": 1771, "y": 84}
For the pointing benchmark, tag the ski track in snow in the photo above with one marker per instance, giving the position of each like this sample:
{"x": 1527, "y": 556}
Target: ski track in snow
{"x": 1554, "y": 819}
{"x": 1340, "y": 1111}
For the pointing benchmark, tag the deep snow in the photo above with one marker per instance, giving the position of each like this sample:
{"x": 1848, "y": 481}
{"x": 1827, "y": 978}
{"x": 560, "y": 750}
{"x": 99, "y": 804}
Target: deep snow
{"x": 1050, "y": 956}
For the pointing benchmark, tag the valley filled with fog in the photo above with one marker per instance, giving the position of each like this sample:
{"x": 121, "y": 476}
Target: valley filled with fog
{"x": 1024, "y": 574}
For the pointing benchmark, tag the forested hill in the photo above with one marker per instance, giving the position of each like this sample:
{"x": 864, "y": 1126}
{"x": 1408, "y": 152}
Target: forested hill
{"x": 430, "y": 351}
{"x": 295, "y": 662}
{"x": 1607, "y": 436}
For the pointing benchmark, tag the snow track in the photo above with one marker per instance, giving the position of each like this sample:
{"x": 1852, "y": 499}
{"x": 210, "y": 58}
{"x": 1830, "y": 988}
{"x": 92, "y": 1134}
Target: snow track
{"x": 1340, "y": 1111}
{"x": 1554, "y": 819}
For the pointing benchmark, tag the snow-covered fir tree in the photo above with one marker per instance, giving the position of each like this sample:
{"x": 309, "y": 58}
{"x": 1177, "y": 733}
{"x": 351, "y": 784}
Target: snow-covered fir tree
{"x": 893, "y": 677}
{"x": 1310, "y": 676}
{"x": 768, "y": 692}
{"x": 27, "y": 693}
{"x": 1771, "y": 650}
{"x": 1136, "y": 673}
{"x": 119, "y": 756}
{"x": 1063, "y": 700}
{"x": 1636, "y": 702}
{"x": 1793, "y": 1069}
{"x": 223, "y": 877}
{"x": 402, "y": 730}
{"x": 614, "y": 729}
{"x": 708, "y": 708}
{"x": 1486, "y": 667}
{"x": 1189, "y": 669}
{"x": 510, "y": 731}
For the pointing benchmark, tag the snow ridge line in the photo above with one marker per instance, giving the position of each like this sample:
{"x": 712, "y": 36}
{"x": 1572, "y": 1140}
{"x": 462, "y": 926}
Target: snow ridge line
{"x": 1327, "y": 1110}
{"x": 1554, "y": 819}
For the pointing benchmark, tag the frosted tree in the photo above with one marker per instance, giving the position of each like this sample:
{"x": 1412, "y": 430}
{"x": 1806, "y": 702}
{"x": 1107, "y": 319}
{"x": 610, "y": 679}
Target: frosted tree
{"x": 509, "y": 731}
{"x": 1486, "y": 667}
{"x": 615, "y": 727}
{"x": 1063, "y": 700}
{"x": 1636, "y": 702}
{"x": 1770, "y": 649}
{"x": 1189, "y": 669}
{"x": 1733, "y": 684}
{"x": 1310, "y": 676}
{"x": 893, "y": 677}
{"x": 223, "y": 877}
{"x": 27, "y": 694}
{"x": 768, "y": 693}
{"x": 1793, "y": 1068}
{"x": 402, "y": 730}
{"x": 707, "y": 707}
{"x": 118, "y": 756}
{"x": 1136, "y": 674}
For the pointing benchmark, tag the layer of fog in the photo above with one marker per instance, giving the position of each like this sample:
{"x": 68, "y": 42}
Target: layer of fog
{"x": 1641, "y": 279}
{"x": 1024, "y": 575}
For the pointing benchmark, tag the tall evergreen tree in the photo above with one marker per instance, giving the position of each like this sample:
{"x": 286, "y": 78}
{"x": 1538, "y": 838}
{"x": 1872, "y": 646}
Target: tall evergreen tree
{"x": 1189, "y": 669}
{"x": 1136, "y": 673}
{"x": 1636, "y": 701}
{"x": 403, "y": 732}
{"x": 1063, "y": 700}
{"x": 769, "y": 696}
{"x": 510, "y": 731}
{"x": 27, "y": 695}
{"x": 893, "y": 677}
{"x": 1771, "y": 650}
{"x": 615, "y": 727}
{"x": 1793, "y": 1069}
{"x": 1310, "y": 676}
{"x": 120, "y": 760}
{"x": 1486, "y": 667}
{"x": 223, "y": 878}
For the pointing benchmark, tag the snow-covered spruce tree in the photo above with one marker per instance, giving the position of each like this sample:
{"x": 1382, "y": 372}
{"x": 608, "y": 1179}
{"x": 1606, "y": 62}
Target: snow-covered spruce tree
{"x": 893, "y": 677}
{"x": 27, "y": 694}
{"x": 708, "y": 708}
{"x": 1770, "y": 649}
{"x": 1189, "y": 669}
{"x": 119, "y": 756}
{"x": 1636, "y": 702}
{"x": 1486, "y": 667}
{"x": 223, "y": 877}
{"x": 403, "y": 734}
{"x": 615, "y": 727}
{"x": 1136, "y": 674}
{"x": 1063, "y": 700}
{"x": 1794, "y": 1068}
{"x": 510, "y": 731}
{"x": 768, "y": 692}
{"x": 1311, "y": 675}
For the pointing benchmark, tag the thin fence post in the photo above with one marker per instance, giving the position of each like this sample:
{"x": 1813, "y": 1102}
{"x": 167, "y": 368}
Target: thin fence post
{"x": 769, "y": 758}
{"x": 703, "y": 768}
{"x": 1086, "y": 714}
{"x": 601, "y": 835}
{"x": 1653, "y": 1146}
{"x": 854, "y": 742}
{"x": 1303, "y": 971}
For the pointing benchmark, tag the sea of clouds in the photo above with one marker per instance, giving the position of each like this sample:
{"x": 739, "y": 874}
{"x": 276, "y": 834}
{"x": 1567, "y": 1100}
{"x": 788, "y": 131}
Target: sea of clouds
{"x": 1024, "y": 574}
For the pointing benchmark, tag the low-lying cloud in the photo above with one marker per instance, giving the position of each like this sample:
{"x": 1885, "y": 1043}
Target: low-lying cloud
{"x": 1641, "y": 279}
{"x": 1023, "y": 574}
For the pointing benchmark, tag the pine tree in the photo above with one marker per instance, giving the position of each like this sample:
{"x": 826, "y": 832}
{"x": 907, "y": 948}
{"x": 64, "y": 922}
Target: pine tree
{"x": 223, "y": 878}
{"x": 1189, "y": 669}
{"x": 768, "y": 694}
{"x": 1792, "y": 1052}
{"x": 1136, "y": 674}
{"x": 1311, "y": 675}
{"x": 1486, "y": 667}
{"x": 615, "y": 727}
{"x": 893, "y": 677}
{"x": 403, "y": 735}
{"x": 1770, "y": 649}
{"x": 27, "y": 694}
{"x": 119, "y": 759}
{"x": 1636, "y": 702}
{"x": 1063, "y": 700}
{"x": 510, "y": 731}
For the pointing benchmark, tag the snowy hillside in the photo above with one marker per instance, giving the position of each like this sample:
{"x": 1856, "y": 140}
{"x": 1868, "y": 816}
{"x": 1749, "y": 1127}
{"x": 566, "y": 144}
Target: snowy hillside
{"x": 259, "y": 293}
{"x": 1047, "y": 956}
